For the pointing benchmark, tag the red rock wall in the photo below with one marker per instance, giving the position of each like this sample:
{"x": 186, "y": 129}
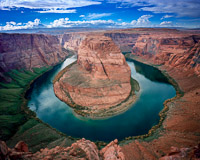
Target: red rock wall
{"x": 71, "y": 40}
{"x": 125, "y": 41}
{"x": 173, "y": 50}
{"x": 29, "y": 50}
{"x": 103, "y": 58}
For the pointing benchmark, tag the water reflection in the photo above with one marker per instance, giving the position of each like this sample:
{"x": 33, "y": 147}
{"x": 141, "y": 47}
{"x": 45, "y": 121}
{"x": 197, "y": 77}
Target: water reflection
{"x": 136, "y": 121}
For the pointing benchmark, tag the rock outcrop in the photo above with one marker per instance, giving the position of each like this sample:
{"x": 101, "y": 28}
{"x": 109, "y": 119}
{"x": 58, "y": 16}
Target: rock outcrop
{"x": 27, "y": 51}
{"x": 112, "y": 151}
{"x": 173, "y": 50}
{"x": 192, "y": 153}
{"x": 82, "y": 149}
{"x": 99, "y": 81}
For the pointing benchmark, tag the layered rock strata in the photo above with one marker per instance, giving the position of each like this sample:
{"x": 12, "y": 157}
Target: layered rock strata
{"x": 99, "y": 81}
{"x": 173, "y": 50}
{"x": 125, "y": 41}
{"x": 27, "y": 51}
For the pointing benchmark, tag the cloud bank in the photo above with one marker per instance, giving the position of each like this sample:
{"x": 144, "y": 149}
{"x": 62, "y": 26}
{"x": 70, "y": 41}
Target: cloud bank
{"x": 142, "y": 21}
{"x": 14, "y": 26}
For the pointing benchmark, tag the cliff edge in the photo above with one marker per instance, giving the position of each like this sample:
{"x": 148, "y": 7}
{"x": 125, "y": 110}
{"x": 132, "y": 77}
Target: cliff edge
{"x": 99, "y": 83}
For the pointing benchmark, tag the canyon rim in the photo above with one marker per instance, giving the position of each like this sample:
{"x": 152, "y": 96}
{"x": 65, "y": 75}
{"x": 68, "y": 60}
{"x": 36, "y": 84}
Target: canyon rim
{"x": 99, "y": 80}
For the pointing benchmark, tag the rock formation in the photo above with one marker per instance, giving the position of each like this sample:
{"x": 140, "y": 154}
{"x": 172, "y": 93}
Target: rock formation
{"x": 125, "y": 41}
{"x": 82, "y": 149}
{"x": 158, "y": 46}
{"x": 26, "y": 51}
{"x": 99, "y": 81}
{"x": 174, "y": 50}
{"x": 71, "y": 40}
{"x": 112, "y": 151}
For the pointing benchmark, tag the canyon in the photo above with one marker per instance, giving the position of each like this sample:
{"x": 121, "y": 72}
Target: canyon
{"x": 27, "y": 51}
{"x": 93, "y": 86}
{"x": 175, "y": 52}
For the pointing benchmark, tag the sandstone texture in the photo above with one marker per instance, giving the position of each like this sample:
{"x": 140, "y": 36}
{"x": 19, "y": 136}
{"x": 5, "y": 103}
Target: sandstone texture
{"x": 72, "y": 40}
{"x": 112, "y": 151}
{"x": 173, "y": 50}
{"x": 27, "y": 51}
{"x": 124, "y": 40}
{"x": 80, "y": 150}
{"x": 180, "y": 128}
{"x": 99, "y": 81}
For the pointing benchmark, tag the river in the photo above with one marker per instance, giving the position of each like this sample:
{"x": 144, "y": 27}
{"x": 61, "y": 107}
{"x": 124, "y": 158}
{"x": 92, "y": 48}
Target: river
{"x": 154, "y": 90}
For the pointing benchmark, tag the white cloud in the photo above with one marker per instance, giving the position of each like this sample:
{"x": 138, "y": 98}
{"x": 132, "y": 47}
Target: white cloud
{"x": 82, "y": 16}
{"x": 166, "y": 23}
{"x": 13, "y": 25}
{"x": 58, "y": 11}
{"x": 97, "y": 15}
{"x": 65, "y": 22}
{"x": 142, "y": 21}
{"x": 166, "y": 16}
{"x": 182, "y": 8}
{"x": 46, "y": 4}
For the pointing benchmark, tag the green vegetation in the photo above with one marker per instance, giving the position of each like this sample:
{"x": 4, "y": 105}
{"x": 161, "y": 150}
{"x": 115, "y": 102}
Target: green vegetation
{"x": 13, "y": 109}
{"x": 135, "y": 85}
{"x": 17, "y": 121}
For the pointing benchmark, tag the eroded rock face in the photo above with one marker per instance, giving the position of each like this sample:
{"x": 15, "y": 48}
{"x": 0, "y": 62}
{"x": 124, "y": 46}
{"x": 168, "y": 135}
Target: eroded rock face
{"x": 26, "y": 51}
{"x": 99, "y": 80}
{"x": 112, "y": 151}
{"x": 172, "y": 50}
{"x": 125, "y": 41}
{"x": 81, "y": 149}
{"x": 103, "y": 59}
{"x": 72, "y": 40}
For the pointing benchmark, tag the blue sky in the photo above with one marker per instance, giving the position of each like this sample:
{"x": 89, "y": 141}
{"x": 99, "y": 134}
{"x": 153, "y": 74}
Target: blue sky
{"x": 27, "y": 14}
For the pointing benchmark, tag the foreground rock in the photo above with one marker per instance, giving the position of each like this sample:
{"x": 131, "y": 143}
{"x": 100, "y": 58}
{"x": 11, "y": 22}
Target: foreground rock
{"x": 99, "y": 82}
{"x": 82, "y": 149}
{"x": 85, "y": 149}
{"x": 112, "y": 151}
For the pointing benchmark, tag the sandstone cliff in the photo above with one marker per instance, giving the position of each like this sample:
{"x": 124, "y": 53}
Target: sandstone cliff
{"x": 99, "y": 80}
{"x": 26, "y": 51}
{"x": 125, "y": 41}
{"x": 71, "y": 40}
{"x": 174, "y": 50}
{"x": 81, "y": 149}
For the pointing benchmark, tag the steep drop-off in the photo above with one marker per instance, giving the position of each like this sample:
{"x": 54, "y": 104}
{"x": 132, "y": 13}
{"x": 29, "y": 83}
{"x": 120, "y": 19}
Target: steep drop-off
{"x": 71, "y": 40}
{"x": 99, "y": 81}
{"x": 125, "y": 41}
{"x": 27, "y": 51}
{"x": 173, "y": 50}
